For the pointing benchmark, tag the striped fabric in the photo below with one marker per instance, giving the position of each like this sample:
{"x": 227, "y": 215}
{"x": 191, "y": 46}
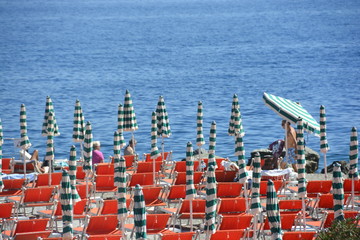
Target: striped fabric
{"x": 130, "y": 123}
{"x": 324, "y": 147}
{"x": 290, "y": 111}
{"x": 79, "y": 123}
{"x": 25, "y": 142}
{"x": 190, "y": 188}
{"x": 234, "y": 106}
{"x": 212, "y": 145}
{"x": 199, "y": 126}
{"x": 120, "y": 127}
{"x": 301, "y": 161}
{"x": 354, "y": 152}
{"x": 117, "y": 148}
{"x": 88, "y": 148}
{"x": 211, "y": 201}
{"x": 50, "y": 139}
{"x": 163, "y": 125}
{"x": 240, "y": 153}
{"x": 1, "y": 143}
{"x": 68, "y": 197}
{"x": 272, "y": 211}
{"x": 49, "y": 107}
{"x": 72, "y": 165}
{"x": 255, "y": 207}
{"x": 139, "y": 213}
{"x": 154, "y": 149}
{"x": 338, "y": 193}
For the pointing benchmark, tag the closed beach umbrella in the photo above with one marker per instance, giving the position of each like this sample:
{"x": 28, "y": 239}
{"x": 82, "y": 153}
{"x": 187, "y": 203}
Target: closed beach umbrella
{"x": 354, "y": 152}
{"x": 338, "y": 193}
{"x": 190, "y": 188}
{"x": 49, "y": 157}
{"x": 199, "y": 126}
{"x": 324, "y": 147}
{"x": 79, "y": 123}
{"x": 243, "y": 174}
{"x": 139, "y": 213}
{"x": 120, "y": 127}
{"x": 68, "y": 197}
{"x": 129, "y": 120}
{"x": 163, "y": 124}
{"x": 1, "y": 143}
{"x": 235, "y": 105}
{"x": 72, "y": 165}
{"x": 211, "y": 201}
{"x": 301, "y": 162}
{"x": 49, "y": 107}
{"x": 154, "y": 154}
{"x": 255, "y": 207}
{"x": 291, "y": 111}
{"x": 88, "y": 148}
{"x": 212, "y": 145}
{"x": 25, "y": 142}
{"x": 272, "y": 211}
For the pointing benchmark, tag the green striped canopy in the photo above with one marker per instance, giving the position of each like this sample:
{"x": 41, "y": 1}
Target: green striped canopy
{"x": 301, "y": 161}
{"x": 255, "y": 207}
{"x": 199, "y": 125}
{"x": 121, "y": 126}
{"x": 79, "y": 123}
{"x": 211, "y": 201}
{"x": 72, "y": 165}
{"x": 130, "y": 123}
{"x": 49, "y": 107}
{"x": 68, "y": 197}
{"x": 1, "y": 143}
{"x": 212, "y": 145}
{"x": 139, "y": 213}
{"x": 354, "y": 152}
{"x": 88, "y": 148}
{"x": 272, "y": 211}
{"x": 190, "y": 188}
{"x": 338, "y": 193}
{"x": 238, "y": 127}
{"x": 291, "y": 111}
{"x": 234, "y": 106}
{"x": 240, "y": 153}
{"x": 324, "y": 147}
{"x": 50, "y": 138}
{"x": 25, "y": 142}
{"x": 163, "y": 124}
{"x": 154, "y": 149}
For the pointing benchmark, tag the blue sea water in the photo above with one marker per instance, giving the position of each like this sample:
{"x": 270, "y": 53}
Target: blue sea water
{"x": 187, "y": 51}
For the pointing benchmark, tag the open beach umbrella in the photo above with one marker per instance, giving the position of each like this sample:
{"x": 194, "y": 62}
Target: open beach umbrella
{"x": 235, "y": 123}
{"x": 49, "y": 107}
{"x": 129, "y": 120}
{"x": 25, "y": 142}
{"x": 291, "y": 111}
{"x": 190, "y": 187}
{"x": 88, "y": 148}
{"x": 139, "y": 213}
{"x": 301, "y": 163}
{"x": 154, "y": 154}
{"x": 272, "y": 211}
{"x": 72, "y": 165}
{"x": 68, "y": 197}
{"x": 1, "y": 143}
{"x": 49, "y": 157}
{"x": 243, "y": 174}
{"x": 79, "y": 126}
{"x": 255, "y": 207}
{"x": 338, "y": 193}
{"x": 120, "y": 127}
{"x": 163, "y": 124}
{"x": 211, "y": 202}
{"x": 212, "y": 145}
{"x": 354, "y": 152}
{"x": 324, "y": 147}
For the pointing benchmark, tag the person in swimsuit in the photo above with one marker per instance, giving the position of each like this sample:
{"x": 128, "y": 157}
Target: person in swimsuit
{"x": 291, "y": 146}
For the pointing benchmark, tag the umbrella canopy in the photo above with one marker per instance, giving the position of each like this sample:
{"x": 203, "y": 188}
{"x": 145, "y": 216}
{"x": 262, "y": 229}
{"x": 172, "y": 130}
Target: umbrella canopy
{"x": 324, "y": 147}
{"x": 272, "y": 211}
{"x": 211, "y": 201}
{"x": 291, "y": 111}
{"x": 163, "y": 124}
{"x": 240, "y": 153}
{"x": 88, "y": 148}
{"x": 130, "y": 123}
{"x": 354, "y": 152}
{"x": 49, "y": 107}
{"x": 120, "y": 127}
{"x": 212, "y": 145}
{"x": 199, "y": 126}
{"x": 154, "y": 149}
{"x": 25, "y": 142}
{"x": 338, "y": 193}
{"x": 72, "y": 165}
{"x": 1, "y": 143}
{"x": 68, "y": 197}
{"x": 255, "y": 207}
{"x": 301, "y": 161}
{"x": 79, "y": 123}
{"x": 190, "y": 188}
{"x": 139, "y": 213}
{"x": 50, "y": 138}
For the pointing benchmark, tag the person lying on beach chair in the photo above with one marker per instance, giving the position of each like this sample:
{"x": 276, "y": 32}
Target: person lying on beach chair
{"x": 39, "y": 167}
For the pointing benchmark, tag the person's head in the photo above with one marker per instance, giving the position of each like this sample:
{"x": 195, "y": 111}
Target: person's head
{"x": 96, "y": 145}
{"x": 283, "y": 122}
{"x": 132, "y": 142}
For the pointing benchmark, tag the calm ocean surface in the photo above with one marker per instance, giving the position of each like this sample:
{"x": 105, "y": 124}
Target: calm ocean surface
{"x": 188, "y": 50}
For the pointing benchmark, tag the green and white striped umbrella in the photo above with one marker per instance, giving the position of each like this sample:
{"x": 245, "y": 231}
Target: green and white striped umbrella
{"x": 190, "y": 188}
{"x": 211, "y": 201}
{"x": 117, "y": 147}
{"x": 272, "y": 211}
{"x": 255, "y": 207}
{"x": 25, "y": 142}
{"x": 68, "y": 197}
{"x": 1, "y": 143}
{"x": 121, "y": 126}
{"x": 130, "y": 123}
{"x": 301, "y": 161}
{"x": 163, "y": 125}
{"x": 139, "y": 213}
{"x": 154, "y": 149}
{"x": 79, "y": 123}
{"x": 291, "y": 111}
{"x": 240, "y": 153}
{"x": 338, "y": 193}
{"x": 72, "y": 165}
{"x": 324, "y": 147}
{"x": 235, "y": 105}
{"x": 88, "y": 148}
{"x": 199, "y": 126}
{"x": 50, "y": 138}
{"x": 49, "y": 107}
{"x": 212, "y": 145}
{"x": 354, "y": 152}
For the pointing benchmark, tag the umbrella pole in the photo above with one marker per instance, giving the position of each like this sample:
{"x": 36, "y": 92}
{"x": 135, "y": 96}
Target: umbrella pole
{"x": 255, "y": 226}
{"x": 87, "y": 184}
{"x": 246, "y": 196}
{"x": 50, "y": 166}
{"x": 82, "y": 151}
{"x": 303, "y": 212}
{"x": 162, "y": 148}
{"x": 154, "y": 179}
{"x": 133, "y": 140}
{"x": 123, "y": 235}
{"x": 191, "y": 215}
{"x": 325, "y": 167}
{"x": 286, "y": 143}
{"x": 24, "y": 165}
{"x": 352, "y": 192}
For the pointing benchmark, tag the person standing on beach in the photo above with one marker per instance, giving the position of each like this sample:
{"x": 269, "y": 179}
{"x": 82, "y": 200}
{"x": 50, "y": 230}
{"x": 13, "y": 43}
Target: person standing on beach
{"x": 130, "y": 148}
{"x": 291, "y": 146}
{"x": 97, "y": 155}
